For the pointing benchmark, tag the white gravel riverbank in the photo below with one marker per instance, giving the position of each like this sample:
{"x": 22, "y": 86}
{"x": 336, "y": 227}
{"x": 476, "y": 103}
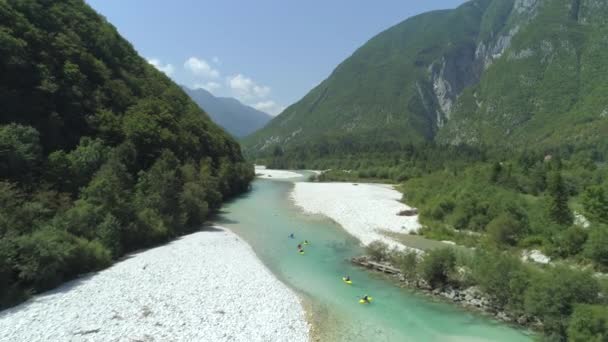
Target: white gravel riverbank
{"x": 207, "y": 286}
{"x": 263, "y": 172}
{"x": 363, "y": 210}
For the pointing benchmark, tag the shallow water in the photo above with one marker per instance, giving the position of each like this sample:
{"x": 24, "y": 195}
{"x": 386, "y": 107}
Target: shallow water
{"x": 266, "y": 216}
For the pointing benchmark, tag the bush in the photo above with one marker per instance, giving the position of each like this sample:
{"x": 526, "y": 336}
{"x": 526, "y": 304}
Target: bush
{"x": 589, "y": 323}
{"x": 595, "y": 203}
{"x": 502, "y": 276}
{"x": 407, "y": 262}
{"x": 570, "y": 242}
{"x": 437, "y": 265}
{"x": 49, "y": 256}
{"x": 506, "y": 230}
{"x": 553, "y": 294}
{"x": 378, "y": 250}
{"x": 596, "y": 247}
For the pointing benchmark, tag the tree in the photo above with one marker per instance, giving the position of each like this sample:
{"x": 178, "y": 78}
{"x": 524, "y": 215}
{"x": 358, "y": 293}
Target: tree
{"x": 551, "y": 296}
{"x": 110, "y": 190}
{"x": 595, "y": 204}
{"x": 377, "y": 250}
{"x": 498, "y": 274}
{"x": 20, "y": 151}
{"x": 157, "y": 197}
{"x": 596, "y": 247}
{"x": 505, "y": 229}
{"x": 589, "y": 323}
{"x": 496, "y": 171}
{"x": 571, "y": 241}
{"x": 110, "y": 235}
{"x": 86, "y": 159}
{"x": 559, "y": 211}
{"x": 407, "y": 261}
{"x": 437, "y": 265}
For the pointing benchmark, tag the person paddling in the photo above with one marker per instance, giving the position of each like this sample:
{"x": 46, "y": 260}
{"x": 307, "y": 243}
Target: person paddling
{"x": 291, "y": 236}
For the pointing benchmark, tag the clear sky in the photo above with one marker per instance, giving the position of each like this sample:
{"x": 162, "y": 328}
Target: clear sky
{"x": 266, "y": 53}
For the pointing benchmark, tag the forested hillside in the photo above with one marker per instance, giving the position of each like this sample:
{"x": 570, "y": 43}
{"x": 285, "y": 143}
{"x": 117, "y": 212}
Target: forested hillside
{"x": 100, "y": 153}
{"x": 508, "y": 73}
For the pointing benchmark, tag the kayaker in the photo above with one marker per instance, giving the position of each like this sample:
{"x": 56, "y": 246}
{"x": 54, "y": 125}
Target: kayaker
{"x": 347, "y": 278}
{"x": 366, "y": 298}
{"x": 306, "y": 242}
{"x": 291, "y": 236}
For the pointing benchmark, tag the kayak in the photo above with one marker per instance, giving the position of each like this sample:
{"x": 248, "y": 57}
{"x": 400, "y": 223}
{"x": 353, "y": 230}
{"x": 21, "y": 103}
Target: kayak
{"x": 370, "y": 299}
{"x": 301, "y": 252}
{"x": 349, "y": 282}
{"x": 305, "y": 243}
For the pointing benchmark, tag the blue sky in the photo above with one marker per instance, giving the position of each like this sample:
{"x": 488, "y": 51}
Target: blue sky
{"x": 266, "y": 53}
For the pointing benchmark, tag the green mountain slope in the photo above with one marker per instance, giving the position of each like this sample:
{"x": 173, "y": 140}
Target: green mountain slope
{"x": 236, "y": 118}
{"x": 546, "y": 88}
{"x": 100, "y": 153}
{"x": 487, "y": 73}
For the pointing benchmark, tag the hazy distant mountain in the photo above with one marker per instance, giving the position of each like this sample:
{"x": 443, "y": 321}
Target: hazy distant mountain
{"x": 238, "y": 119}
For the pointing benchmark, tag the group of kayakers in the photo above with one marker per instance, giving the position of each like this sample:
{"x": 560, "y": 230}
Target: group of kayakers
{"x": 300, "y": 245}
{"x": 363, "y": 300}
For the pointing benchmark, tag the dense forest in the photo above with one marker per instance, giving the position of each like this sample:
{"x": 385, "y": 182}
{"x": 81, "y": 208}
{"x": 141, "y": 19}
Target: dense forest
{"x": 100, "y": 153}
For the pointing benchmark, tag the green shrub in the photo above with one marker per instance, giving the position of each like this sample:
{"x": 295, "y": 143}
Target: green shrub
{"x": 506, "y": 230}
{"x": 588, "y": 323}
{"x": 569, "y": 242}
{"x": 407, "y": 262}
{"x": 553, "y": 294}
{"x": 437, "y": 265}
{"x": 502, "y": 276}
{"x": 596, "y": 247}
{"x": 378, "y": 250}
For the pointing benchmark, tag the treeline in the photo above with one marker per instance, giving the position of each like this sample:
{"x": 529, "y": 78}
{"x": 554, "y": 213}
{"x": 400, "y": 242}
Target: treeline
{"x": 570, "y": 304}
{"x": 100, "y": 154}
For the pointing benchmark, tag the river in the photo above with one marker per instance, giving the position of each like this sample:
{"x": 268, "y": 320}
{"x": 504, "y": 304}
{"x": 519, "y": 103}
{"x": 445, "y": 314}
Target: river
{"x": 266, "y": 216}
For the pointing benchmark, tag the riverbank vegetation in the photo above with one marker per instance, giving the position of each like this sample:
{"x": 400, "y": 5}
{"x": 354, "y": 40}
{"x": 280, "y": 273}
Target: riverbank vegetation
{"x": 549, "y": 201}
{"x": 563, "y": 302}
{"x": 553, "y": 200}
{"x": 100, "y": 153}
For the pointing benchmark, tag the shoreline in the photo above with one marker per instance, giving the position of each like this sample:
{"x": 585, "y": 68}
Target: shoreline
{"x": 363, "y": 210}
{"x": 264, "y": 173}
{"x": 188, "y": 289}
{"x": 470, "y": 299}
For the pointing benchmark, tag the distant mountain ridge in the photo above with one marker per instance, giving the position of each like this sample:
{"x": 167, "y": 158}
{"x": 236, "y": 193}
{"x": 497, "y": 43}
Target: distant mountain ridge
{"x": 491, "y": 72}
{"x": 235, "y": 117}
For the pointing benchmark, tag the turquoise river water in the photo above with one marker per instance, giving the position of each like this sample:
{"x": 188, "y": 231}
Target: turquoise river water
{"x": 266, "y": 216}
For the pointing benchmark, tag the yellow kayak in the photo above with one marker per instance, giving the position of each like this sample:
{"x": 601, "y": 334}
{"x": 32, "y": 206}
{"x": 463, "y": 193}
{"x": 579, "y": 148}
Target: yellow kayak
{"x": 349, "y": 282}
{"x": 301, "y": 252}
{"x": 369, "y": 300}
